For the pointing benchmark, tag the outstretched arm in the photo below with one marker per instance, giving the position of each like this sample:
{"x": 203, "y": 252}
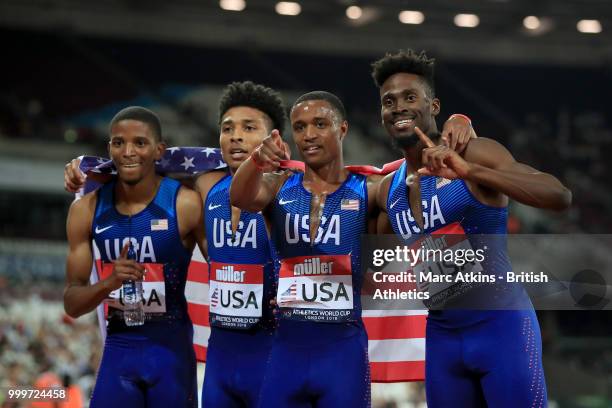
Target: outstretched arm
{"x": 488, "y": 164}
{"x": 251, "y": 189}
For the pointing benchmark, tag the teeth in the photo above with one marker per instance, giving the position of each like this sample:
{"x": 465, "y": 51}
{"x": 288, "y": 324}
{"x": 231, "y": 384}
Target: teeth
{"x": 403, "y": 122}
{"x": 131, "y": 165}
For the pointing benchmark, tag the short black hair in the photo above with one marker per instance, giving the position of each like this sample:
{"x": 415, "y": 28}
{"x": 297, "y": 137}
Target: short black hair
{"x": 405, "y": 61}
{"x": 140, "y": 114}
{"x": 255, "y": 96}
{"x": 329, "y": 97}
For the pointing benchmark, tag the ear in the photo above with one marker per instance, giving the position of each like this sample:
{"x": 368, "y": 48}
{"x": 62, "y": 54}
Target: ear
{"x": 160, "y": 150}
{"x": 435, "y": 106}
{"x": 343, "y": 129}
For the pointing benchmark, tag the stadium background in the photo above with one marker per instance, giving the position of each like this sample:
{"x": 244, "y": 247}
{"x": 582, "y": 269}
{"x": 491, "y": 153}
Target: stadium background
{"x": 535, "y": 75}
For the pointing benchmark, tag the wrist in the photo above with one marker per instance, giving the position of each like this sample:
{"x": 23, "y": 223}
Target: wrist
{"x": 461, "y": 115}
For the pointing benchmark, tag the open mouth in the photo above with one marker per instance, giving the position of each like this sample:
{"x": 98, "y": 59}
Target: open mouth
{"x": 403, "y": 123}
{"x": 310, "y": 150}
{"x": 130, "y": 165}
{"x": 238, "y": 154}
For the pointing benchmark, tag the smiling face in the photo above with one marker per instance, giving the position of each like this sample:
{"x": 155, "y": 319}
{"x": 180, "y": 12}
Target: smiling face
{"x": 242, "y": 129}
{"x": 318, "y": 132}
{"x": 134, "y": 149}
{"x": 406, "y": 103}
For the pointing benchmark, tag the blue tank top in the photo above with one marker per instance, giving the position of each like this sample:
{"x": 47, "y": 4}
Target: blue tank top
{"x": 447, "y": 202}
{"x": 320, "y": 281}
{"x": 241, "y": 268}
{"x": 154, "y": 235}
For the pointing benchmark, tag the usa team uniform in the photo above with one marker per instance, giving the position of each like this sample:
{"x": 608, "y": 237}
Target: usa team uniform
{"x": 241, "y": 287}
{"x": 474, "y": 358}
{"x": 154, "y": 364}
{"x": 319, "y": 355}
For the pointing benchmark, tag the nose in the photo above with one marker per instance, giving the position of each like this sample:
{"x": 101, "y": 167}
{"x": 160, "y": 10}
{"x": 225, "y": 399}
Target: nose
{"x": 401, "y": 106}
{"x": 310, "y": 133}
{"x": 236, "y": 136}
{"x": 129, "y": 149}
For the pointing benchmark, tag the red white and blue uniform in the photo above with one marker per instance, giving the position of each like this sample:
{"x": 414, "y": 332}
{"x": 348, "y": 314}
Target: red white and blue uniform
{"x": 154, "y": 364}
{"x": 319, "y": 355}
{"x": 474, "y": 358}
{"x": 241, "y": 287}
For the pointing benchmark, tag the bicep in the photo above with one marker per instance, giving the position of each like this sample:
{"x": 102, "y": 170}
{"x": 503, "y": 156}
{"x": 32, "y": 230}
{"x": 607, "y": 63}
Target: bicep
{"x": 80, "y": 256}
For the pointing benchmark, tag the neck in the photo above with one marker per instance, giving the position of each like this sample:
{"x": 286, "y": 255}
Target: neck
{"x": 332, "y": 173}
{"x": 137, "y": 194}
{"x": 413, "y": 154}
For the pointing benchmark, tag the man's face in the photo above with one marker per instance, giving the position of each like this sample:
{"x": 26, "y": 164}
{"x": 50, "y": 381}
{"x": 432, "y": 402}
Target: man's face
{"x": 134, "y": 150}
{"x": 405, "y": 103}
{"x": 242, "y": 129}
{"x": 317, "y": 132}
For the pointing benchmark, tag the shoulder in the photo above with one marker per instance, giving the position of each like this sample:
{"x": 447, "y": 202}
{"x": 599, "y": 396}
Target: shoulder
{"x": 188, "y": 200}
{"x": 383, "y": 190}
{"x": 205, "y": 182}
{"x": 81, "y": 215}
{"x": 487, "y": 152}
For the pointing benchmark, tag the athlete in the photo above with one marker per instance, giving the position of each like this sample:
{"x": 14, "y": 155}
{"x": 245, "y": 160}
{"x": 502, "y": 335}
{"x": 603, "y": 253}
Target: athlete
{"x": 315, "y": 217}
{"x": 241, "y": 267}
{"x": 241, "y": 278}
{"x": 474, "y": 358}
{"x": 152, "y": 365}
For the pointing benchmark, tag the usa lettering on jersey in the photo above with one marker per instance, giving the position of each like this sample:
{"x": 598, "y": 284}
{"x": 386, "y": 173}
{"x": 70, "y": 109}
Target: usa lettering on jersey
{"x": 432, "y": 218}
{"x": 316, "y": 288}
{"x": 297, "y": 228}
{"x": 236, "y": 293}
{"x": 144, "y": 248}
{"x": 244, "y": 237}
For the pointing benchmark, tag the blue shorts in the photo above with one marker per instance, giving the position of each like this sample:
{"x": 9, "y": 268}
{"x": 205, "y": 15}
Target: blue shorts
{"x": 154, "y": 366}
{"x": 322, "y": 365}
{"x": 235, "y": 365}
{"x": 495, "y": 362}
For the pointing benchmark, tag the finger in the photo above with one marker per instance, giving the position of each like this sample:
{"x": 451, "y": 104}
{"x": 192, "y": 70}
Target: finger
{"x": 424, "y": 171}
{"x": 446, "y": 135}
{"x": 453, "y": 143}
{"x": 124, "y": 251}
{"x": 426, "y": 140}
{"x": 286, "y": 150}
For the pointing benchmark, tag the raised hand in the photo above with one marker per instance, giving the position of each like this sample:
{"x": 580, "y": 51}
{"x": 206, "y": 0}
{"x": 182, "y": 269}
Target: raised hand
{"x": 457, "y": 132}
{"x": 74, "y": 178}
{"x": 440, "y": 160}
{"x": 270, "y": 153}
{"x": 124, "y": 269}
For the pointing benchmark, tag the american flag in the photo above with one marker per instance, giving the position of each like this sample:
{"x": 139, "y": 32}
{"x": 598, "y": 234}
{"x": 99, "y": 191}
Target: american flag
{"x": 214, "y": 298}
{"x": 347, "y": 204}
{"x": 396, "y": 343}
{"x": 290, "y": 294}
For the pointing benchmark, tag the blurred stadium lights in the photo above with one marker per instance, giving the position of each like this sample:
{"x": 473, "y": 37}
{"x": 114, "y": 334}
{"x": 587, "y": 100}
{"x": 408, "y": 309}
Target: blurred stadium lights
{"x": 354, "y": 12}
{"x": 232, "y": 5}
{"x": 589, "y": 26}
{"x": 411, "y": 17}
{"x": 467, "y": 20}
{"x": 288, "y": 8}
{"x": 532, "y": 22}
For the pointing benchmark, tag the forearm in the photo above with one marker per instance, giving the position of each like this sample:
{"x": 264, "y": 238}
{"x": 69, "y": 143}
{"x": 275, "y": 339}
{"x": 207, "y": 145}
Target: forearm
{"x": 246, "y": 186}
{"x": 81, "y": 299}
{"x": 535, "y": 189}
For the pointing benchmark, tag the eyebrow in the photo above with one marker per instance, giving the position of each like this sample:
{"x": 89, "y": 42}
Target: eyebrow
{"x": 403, "y": 91}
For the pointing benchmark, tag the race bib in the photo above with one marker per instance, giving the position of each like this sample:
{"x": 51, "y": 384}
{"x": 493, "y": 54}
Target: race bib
{"x": 153, "y": 285}
{"x": 236, "y": 294}
{"x": 449, "y": 268}
{"x": 316, "y": 288}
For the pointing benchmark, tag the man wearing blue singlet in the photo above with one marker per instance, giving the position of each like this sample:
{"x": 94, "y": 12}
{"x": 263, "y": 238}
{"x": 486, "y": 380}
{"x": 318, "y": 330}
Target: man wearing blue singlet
{"x": 474, "y": 358}
{"x": 238, "y": 249}
{"x": 319, "y": 355}
{"x": 151, "y": 365}
{"x": 241, "y": 267}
